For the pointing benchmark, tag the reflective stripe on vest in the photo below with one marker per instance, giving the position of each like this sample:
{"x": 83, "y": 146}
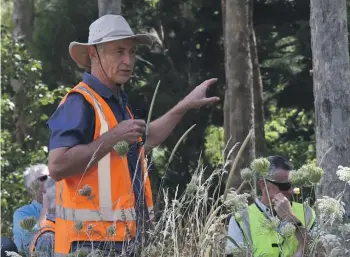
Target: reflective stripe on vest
{"x": 104, "y": 166}
{"x": 104, "y": 214}
{"x": 269, "y": 242}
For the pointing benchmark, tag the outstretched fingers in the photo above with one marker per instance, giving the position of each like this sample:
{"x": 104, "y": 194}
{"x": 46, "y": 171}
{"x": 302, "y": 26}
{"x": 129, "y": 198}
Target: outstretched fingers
{"x": 207, "y": 83}
{"x": 211, "y": 100}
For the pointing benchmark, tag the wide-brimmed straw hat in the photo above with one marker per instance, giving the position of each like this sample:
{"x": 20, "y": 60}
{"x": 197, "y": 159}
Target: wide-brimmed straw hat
{"x": 105, "y": 29}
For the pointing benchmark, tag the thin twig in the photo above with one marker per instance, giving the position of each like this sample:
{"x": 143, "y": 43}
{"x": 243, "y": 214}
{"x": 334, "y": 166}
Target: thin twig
{"x": 150, "y": 111}
{"x": 235, "y": 163}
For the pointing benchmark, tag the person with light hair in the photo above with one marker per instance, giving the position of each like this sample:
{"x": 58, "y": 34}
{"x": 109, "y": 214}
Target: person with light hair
{"x": 34, "y": 179}
{"x": 44, "y": 241}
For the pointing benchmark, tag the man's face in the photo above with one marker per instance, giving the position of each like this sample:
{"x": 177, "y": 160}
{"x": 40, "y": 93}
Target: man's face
{"x": 118, "y": 60}
{"x": 279, "y": 184}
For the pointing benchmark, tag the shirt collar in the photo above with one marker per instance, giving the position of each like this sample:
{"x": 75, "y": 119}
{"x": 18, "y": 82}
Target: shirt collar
{"x": 262, "y": 206}
{"x": 97, "y": 85}
{"x": 102, "y": 89}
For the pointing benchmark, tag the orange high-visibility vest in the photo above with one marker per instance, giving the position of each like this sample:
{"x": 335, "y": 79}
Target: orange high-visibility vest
{"x": 110, "y": 206}
{"x": 46, "y": 226}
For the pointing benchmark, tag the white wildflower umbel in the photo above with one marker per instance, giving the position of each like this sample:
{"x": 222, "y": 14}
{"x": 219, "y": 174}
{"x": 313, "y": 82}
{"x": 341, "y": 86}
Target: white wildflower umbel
{"x": 344, "y": 174}
{"x": 236, "y": 202}
{"x": 271, "y": 224}
{"x": 312, "y": 173}
{"x": 261, "y": 166}
{"x": 345, "y": 230}
{"x": 331, "y": 242}
{"x": 330, "y": 209}
{"x": 307, "y": 176}
{"x": 287, "y": 230}
{"x": 297, "y": 177}
{"x": 247, "y": 174}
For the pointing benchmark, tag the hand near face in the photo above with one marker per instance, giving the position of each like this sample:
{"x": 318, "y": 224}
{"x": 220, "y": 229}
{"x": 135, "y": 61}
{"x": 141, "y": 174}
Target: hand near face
{"x": 197, "y": 98}
{"x": 282, "y": 207}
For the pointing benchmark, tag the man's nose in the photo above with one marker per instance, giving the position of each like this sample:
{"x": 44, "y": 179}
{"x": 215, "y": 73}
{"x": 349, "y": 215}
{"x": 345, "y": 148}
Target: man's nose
{"x": 127, "y": 59}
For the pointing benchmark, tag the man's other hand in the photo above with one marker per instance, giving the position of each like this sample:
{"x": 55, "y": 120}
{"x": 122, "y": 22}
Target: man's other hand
{"x": 197, "y": 98}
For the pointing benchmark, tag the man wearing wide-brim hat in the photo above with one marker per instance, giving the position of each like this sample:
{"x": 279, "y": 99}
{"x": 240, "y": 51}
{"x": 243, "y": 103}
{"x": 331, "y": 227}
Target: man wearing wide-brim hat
{"x": 105, "y": 196}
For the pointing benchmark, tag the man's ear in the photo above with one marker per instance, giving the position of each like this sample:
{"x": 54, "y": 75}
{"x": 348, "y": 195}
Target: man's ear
{"x": 92, "y": 53}
{"x": 261, "y": 183}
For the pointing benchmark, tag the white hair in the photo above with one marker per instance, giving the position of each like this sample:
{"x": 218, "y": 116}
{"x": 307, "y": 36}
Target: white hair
{"x": 50, "y": 187}
{"x": 32, "y": 173}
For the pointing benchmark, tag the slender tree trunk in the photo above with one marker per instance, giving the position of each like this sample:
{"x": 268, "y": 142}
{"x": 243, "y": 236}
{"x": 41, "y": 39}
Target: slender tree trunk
{"x": 109, "y": 7}
{"x": 331, "y": 75}
{"x": 257, "y": 89}
{"x": 22, "y": 16}
{"x": 238, "y": 105}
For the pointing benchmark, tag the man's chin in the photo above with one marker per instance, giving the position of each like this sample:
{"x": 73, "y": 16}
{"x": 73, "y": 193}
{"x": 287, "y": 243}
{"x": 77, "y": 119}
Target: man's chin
{"x": 289, "y": 197}
{"x": 122, "y": 80}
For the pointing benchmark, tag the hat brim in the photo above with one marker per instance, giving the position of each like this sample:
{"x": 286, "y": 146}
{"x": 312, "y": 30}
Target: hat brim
{"x": 80, "y": 54}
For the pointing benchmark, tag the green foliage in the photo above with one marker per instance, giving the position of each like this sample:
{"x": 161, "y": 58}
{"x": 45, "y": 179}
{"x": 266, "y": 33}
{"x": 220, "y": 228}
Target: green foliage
{"x": 287, "y": 133}
{"x": 6, "y": 13}
{"x": 17, "y": 64}
{"x": 290, "y": 133}
{"x": 214, "y": 144}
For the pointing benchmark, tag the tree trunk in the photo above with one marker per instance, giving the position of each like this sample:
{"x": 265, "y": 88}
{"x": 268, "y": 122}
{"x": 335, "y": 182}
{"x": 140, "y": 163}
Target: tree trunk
{"x": 23, "y": 18}
{"x": 331, "y": 76}
{"x": 109, "y": 7}
{"x": 257, "y": 90}
{"x": 238, "y": 105}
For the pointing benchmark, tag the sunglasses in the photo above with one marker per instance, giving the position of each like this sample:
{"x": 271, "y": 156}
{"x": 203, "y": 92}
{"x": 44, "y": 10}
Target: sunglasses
{"x": 285, "y": 186}
{"x": 43, "y": 178}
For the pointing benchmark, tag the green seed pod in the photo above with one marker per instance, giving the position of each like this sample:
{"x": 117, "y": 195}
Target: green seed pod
{"x": 111, "y": 230}
{"x": 78, "y": 225}
{"x": 312, "y": 173}
{"x": 122, "y": 148}
{"x": 85, "y": 191}
{"x": 297, "y": 178}
{"x": 247, "y": 174}
{"x": 261, "y": 166}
